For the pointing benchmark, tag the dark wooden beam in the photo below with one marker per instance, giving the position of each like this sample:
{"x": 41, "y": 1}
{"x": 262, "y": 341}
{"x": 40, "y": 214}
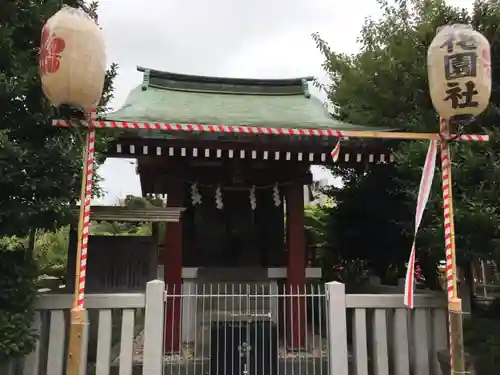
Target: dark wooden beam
{"x": 124, "y": 214}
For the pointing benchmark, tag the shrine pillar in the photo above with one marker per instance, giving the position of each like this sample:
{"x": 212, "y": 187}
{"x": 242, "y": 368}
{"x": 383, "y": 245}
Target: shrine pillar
{"x": 296, "y": 266}
{"x": 172, "y": 270}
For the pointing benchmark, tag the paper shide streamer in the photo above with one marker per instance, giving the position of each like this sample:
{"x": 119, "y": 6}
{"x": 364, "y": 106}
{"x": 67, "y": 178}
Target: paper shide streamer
{"x": 422, "y": 199}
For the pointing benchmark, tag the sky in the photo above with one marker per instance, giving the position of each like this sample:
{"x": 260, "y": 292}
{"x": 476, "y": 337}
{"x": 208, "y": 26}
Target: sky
{"x": 229, "y": 38}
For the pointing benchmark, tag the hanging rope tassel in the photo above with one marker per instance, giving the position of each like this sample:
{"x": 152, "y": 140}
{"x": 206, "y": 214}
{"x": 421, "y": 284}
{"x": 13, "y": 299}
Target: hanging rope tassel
{"x": 336, "y": 152}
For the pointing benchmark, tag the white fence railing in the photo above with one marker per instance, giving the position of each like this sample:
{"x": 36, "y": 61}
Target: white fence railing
{"x": 388, "y": 338}
{"x": 232, "y": 329}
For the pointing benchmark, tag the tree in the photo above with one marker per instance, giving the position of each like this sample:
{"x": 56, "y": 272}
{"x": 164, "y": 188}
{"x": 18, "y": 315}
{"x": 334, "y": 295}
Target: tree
{"x": 385, "y": 84}
{"x": 17, "y": 295}
{"x": 51, "y": 252}
{"x": 315, "y": 231}
{"x": 361, "y": 228}
{"x": 40, "y": 165}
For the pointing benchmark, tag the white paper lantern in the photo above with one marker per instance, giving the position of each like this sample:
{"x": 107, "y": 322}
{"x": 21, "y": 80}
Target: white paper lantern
{"x": 72, "y": 59}
{"x": 459, "y": 68}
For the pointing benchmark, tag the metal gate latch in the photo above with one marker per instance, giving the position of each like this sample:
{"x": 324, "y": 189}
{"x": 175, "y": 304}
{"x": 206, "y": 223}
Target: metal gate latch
{"x": 244, "y": 348}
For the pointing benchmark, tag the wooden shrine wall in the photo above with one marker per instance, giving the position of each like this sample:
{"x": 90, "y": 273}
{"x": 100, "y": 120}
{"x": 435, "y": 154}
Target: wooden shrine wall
{"x": 116, "y": 264}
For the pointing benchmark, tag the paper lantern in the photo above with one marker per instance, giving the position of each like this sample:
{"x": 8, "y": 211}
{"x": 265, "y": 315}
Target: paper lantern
{"x": 72, "y": 59}
{"x": 459, "y": 68}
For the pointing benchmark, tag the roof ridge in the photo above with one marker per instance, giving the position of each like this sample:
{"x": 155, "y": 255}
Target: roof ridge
{"x": 225, "y": 80}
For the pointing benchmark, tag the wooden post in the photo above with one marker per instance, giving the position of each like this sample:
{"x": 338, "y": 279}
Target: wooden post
{"x": 296, "y": 278}
{"x": 337, "y": 331}
{"x": 78, "y": 315}
{"x": 153, "y": 337}
{"x": 172, "y": 270}
{"x": 457, "y": 355}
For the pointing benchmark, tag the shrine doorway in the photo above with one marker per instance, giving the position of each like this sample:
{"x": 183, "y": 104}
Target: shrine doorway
{"x": 234, "y": 235}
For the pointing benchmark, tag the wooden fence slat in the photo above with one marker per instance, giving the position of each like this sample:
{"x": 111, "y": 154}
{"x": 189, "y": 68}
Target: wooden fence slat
{"x": 31, "y": 363}
{"x": 439, "y": 337}
{"x": 55, "y": 356}
{"x": 127, "y": 342}
{"x": 421, "y": 337}
{"x": 401, "y": 343}
{"x": 360, "y": 342}
{"x": 380, "y": 352}
{"x": 103, "y": 358}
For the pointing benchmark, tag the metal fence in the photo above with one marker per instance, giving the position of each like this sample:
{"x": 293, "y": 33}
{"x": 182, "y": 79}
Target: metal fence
{"x": 246, "y": 329}
{"x": 230, "y": 329}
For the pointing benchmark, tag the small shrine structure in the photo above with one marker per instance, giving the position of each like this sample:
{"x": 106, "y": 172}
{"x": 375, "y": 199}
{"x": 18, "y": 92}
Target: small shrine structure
{"x": 238, "y": 196}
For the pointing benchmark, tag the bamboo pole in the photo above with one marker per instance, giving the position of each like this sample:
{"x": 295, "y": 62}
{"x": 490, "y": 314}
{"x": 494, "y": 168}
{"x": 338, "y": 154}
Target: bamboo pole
{"x": 407, "y": 135}
{"x": 455, "y": 325}
{"x": 78, "y": 316}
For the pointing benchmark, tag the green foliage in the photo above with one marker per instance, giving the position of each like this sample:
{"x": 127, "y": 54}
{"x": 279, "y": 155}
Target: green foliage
{"x": 315, "y": 229}
{"x": 120, "y": 229}
{"x": 482, "y": 339}
{"x": 362, "y": 226}
{"x": 51, "y": 252}
{"x": 17, "y": 294}
{"x": 40, "y": 165}
{"x": 385, "y": 84}
{"x": 335, "y": 264}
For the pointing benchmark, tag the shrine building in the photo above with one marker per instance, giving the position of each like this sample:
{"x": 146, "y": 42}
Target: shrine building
{"x": 238, "y": 194}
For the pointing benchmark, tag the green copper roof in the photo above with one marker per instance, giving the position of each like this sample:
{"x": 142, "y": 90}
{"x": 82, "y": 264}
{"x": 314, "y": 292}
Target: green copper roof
{"x": 179, "y": 98}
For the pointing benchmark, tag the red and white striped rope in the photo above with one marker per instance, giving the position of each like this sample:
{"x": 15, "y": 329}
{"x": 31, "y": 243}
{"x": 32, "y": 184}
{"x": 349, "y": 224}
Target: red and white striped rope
{"x": 446, "y": 187}
{"x": 473, "y": 137}
{"x": 343, "y": 134}
{"x": 206, "y": 128}
{"x": 89, "y": 172}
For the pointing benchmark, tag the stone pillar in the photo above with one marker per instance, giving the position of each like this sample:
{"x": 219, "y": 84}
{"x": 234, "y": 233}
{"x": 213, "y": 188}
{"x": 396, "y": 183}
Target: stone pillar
{"x": 296, "y": 266}
{"x": 172, "y": 271}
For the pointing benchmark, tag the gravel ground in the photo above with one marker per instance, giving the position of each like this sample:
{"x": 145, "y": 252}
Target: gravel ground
{"x": 318, "y": 349}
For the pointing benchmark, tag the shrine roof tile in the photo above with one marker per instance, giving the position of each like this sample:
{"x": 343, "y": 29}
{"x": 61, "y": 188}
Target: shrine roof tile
{"x": 179, "y": 98}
